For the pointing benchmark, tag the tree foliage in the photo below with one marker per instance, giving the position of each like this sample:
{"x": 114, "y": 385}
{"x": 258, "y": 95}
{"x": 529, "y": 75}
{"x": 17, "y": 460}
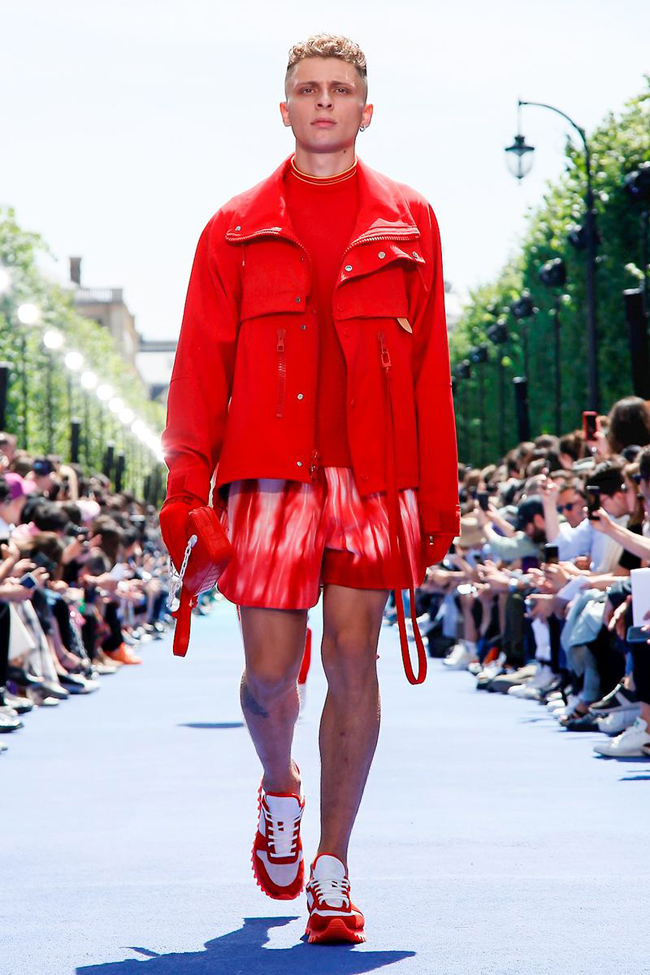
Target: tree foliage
{"x": 54, "y": 395}
{"x": 619, "y": 145}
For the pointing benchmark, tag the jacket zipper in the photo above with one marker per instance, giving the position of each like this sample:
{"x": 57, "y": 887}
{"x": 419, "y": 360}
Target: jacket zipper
{"x": 407, "y": 235}
{"x": 384, "y": 354}
{"x": 282, "y": 372}
{"x": 313, "y": 467}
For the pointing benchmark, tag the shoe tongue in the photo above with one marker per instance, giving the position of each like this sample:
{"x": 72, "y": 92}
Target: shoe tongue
{"x": 327, "y": 867}
{"x": 283, "y": 807}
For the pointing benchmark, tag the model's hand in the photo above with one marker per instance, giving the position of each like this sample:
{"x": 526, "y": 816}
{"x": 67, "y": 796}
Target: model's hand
{"x": 173, "y": 526}
{"x": 601, "y": 521}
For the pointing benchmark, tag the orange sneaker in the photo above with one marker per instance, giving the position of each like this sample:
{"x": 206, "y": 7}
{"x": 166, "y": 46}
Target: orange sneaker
{"x": 277, "y": 857}
{"x": 123, "y": 655}
{"x": 333, "y": 917}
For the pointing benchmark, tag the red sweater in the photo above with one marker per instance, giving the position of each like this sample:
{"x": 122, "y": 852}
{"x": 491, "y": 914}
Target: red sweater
{"x": 323, "y": 211}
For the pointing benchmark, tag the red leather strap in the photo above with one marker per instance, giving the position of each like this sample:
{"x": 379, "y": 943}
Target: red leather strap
{"x": 183, "y": 617}
{"x": 397, "y": 543}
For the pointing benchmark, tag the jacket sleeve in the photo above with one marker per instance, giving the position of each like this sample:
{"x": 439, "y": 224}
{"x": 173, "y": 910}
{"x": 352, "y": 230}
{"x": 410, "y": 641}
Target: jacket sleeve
{"x": 438, "y": 453}
{"x": 201, "y": 381}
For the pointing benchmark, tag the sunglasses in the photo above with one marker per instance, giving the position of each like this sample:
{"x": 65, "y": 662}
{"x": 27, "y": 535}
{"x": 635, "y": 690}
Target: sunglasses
{"x": 570, "y": 506}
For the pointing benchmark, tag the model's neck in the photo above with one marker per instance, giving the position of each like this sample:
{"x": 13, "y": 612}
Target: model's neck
{"x": 324, "y": 163}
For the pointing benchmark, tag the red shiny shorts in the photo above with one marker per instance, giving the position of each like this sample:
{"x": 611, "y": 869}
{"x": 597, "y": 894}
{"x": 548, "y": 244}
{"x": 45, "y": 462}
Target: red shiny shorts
{"x": 291, "y": 538}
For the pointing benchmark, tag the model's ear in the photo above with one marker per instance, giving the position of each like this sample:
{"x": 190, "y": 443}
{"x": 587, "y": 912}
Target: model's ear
{"x": 284, "y": 112}
{"x": 367, "y": 115}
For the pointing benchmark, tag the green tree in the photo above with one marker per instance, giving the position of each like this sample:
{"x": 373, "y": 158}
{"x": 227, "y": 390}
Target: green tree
{"x": 48, "y": 380}
{"x": 619, "y": 145}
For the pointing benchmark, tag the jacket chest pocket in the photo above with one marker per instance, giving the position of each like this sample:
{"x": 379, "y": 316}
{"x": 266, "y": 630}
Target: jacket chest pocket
{"x": 273, "y": 279}
{"x": 382, "y": 294}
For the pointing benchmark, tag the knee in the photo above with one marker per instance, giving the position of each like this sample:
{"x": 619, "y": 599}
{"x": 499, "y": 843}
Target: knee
{"x": 349, "y": 660}
{"x": 265, "y": 685}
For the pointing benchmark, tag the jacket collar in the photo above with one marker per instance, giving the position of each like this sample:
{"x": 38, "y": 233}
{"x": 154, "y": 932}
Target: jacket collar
{"x": 383, "y": 210}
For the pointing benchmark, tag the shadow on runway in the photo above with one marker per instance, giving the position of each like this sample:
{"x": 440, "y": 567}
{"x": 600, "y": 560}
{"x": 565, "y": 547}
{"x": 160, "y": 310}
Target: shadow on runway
{"x": 243, "y": 951}
{"x": 212, "y": 724}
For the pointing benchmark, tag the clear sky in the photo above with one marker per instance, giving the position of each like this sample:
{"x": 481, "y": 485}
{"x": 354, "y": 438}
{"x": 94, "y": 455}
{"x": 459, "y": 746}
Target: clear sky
{"x": 127, "y": 123}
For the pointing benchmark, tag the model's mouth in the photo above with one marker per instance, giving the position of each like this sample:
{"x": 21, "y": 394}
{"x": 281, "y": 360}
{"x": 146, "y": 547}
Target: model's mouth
{"x": 324, "y": 122}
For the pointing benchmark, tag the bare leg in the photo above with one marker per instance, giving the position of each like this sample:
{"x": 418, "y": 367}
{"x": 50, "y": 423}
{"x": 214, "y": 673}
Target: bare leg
{"x": 350, "y": 722}
{"x": 274, "y": 641}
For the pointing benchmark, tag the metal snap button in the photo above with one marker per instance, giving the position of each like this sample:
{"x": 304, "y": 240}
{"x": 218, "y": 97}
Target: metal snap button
{"x": 300, "y": 396}
{"x": 297, "y": 299}
{"x": 237, "y": 228}
{"x": 416, "y": 255}
{"x": 299, "y": 463}
{"x": 348, "y": 267}
{"x": 381, "y": 254}
{"x": 303, "y": 327}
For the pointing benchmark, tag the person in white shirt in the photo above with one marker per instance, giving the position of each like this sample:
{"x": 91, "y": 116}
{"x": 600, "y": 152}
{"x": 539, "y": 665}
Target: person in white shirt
{"x": 604, "y": 551}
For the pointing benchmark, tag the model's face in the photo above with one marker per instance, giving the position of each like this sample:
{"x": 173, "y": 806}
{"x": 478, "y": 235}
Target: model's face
{"x": 325, "y": 89}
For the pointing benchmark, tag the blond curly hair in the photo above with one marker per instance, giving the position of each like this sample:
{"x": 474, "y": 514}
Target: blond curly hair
{"x": 325, "y": 45}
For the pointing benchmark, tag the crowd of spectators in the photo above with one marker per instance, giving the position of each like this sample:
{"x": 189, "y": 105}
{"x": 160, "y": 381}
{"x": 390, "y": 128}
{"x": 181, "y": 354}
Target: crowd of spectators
{"x": 545, "y": 595}
{"x": 83, "y": 581}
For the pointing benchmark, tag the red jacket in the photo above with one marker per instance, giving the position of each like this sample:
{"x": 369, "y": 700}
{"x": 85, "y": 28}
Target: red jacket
{"x": 243, "y": 388}
{"x": 242, "y": 392}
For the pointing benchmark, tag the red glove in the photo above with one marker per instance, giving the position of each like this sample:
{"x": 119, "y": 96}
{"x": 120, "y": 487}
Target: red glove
{"x": 173, "y": 524}
{"x": 436, "y": 547}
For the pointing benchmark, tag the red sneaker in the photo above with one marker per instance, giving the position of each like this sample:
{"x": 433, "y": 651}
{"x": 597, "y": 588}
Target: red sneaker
{"x": 332, "y": 915}
{"x": 277, "y": 858}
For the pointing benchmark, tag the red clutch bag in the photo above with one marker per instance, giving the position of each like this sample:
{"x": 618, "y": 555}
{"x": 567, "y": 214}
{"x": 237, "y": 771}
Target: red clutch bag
{"x": 207, "y": 553}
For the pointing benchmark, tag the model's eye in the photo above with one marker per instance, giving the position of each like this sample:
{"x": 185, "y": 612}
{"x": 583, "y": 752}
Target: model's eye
{"x": 305, "y": 89}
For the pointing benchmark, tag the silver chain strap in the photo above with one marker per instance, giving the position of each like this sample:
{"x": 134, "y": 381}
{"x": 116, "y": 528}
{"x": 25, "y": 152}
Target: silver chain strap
{"x": 176, "y": 578}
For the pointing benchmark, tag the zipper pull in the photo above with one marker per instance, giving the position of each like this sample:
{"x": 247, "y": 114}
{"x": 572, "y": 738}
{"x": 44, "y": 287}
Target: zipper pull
{"x": 384, "y": 354}
{"x": 281, "y": 333}
{"x": 313, "y": 467}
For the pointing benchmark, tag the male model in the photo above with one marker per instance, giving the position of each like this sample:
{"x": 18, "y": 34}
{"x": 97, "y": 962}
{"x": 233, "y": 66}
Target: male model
{"x": 311, "y": 385}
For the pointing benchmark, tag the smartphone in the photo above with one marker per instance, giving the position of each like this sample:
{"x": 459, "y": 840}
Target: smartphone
{"x": 551, "y": 554}
{"x": 636, "y": 634}
{"x": 43, "y": 562}
{"x": 28, "y": 581}
{"x": 482, "y": 497}
{"x": 589, "y": 424}
{"x": 452, "y": 549}
{"x": 529, "y": 604}
{"x": 90, "y": 595}
{"x": 593, "y": 499}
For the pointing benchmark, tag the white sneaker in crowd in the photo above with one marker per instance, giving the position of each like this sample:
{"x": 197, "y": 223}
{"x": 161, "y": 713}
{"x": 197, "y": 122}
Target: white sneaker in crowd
{"x": 461, "y": 655}
{"x": 572, "y": 700}
{"x": 543, "y": 677}
{"x": 617, "y": 721}
{"x": 633, "y": 743}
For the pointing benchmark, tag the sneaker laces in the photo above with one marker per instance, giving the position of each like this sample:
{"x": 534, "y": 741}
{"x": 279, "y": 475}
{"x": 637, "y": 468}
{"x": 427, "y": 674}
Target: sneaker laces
{"x": 281, "y": 834}
{"x": 334, "y": 893}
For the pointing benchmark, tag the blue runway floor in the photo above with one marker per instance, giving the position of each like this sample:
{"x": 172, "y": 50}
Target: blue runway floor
{"x": 489, "y": 841}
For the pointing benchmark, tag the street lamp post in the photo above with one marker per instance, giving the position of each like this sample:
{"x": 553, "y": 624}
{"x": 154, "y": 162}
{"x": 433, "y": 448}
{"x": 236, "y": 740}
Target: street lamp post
{"x": 520, "y": 160}
{"x": 498, "y": 334}
{"x": 553, "y": 275}
{"x": 464, "y": 371}
{"x": 28, "y": 314}
{"x": 479, "y": 355}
